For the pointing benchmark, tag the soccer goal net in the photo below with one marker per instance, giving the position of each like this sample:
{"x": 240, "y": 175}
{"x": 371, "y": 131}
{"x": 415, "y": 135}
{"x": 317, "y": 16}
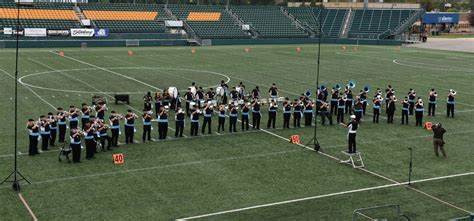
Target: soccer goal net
{"x": 132, "y": 43}
{"x": 382, "y": 213}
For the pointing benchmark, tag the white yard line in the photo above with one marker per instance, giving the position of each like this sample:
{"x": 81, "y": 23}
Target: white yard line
{"x": 32, "y": 214}
{"x": 328, "y": 195}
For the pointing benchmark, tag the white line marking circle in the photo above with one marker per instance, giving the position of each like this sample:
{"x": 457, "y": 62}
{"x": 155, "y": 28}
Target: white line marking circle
{"x": 20, "y": 80}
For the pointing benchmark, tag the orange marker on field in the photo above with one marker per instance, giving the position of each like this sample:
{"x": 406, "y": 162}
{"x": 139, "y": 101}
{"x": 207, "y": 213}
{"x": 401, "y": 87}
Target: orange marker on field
{"x": 193, "y": 51}
{"x": 247, "y": 50}
{"x": 343, "y": 48}
{"x": 118, "y": 158}
{"x": 130, "y": 53}
{"x": 298, "y": 49}
{"x": 61, "y": 53}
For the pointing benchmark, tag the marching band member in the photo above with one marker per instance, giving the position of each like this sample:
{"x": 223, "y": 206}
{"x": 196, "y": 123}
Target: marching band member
{"x": 377, "y": 105}
{"x": 114, "y": 120}
{"x": 146, "y": 125}
{"x": 221, "y": 118}
{"x": 45, "y": 132}
{"x": 358, "y": 109}
{"x": 100, "y": 109}
{"x": 405, "y": 110}
{"x": 158, "y": 99}
{"x": 272, "y": 111}
{"x": 450, "y": 103}
{"x": 33, "y": 130}
{"x": 245, "y": 116}
{"x": 341, "y": 105}
{"x": 179, "y": 121}
{"x": 286, "y": 114}
{"x": 325, "y": 113}
{"x": 225, "y": 87}
{"x": 411, "y": 100}
{"x": 166, "y": 98}
{"x": 419, "y": 112}
{"x": 130, "y": 126}
{"x": 104, "y": 136}
{"x": 233, "y": 113}
{"x": 351, "y": 133}
{"x": 363, "y": 100}
{"x": 234, "y": 95}
{"x": 85, "y": 114}
{"x": 320, "y": 98}
{"x": 256, "y": 93}
{"x": 297, "y": 112}
{"x": 308, "y": 113}
{"x": 389, "y": 92}
{"x": 195, "y": 112}
{"x": 89, "y": 139}
{"x": 189, "y": 97}
{"x": 432, "y": 102}
{"x": 61, "y": 115}
{"x": 391, "y": 107}
{"x": 72, "y": 116}
{"x": 349, "y": 100}
{"x": 147, "y": 98}
{"x": 242, "y": 90}
{"x": 273, "y": 92}
{"x": 334, "y": 100}
{"x": 75, "y": 136}
{"x": 53, "y": 128}
{"x": 199, "y": 97}
{"x": 210, "y": 95}
{"x": 207, "y": 121}
{"x": 256, "y": 115}
{"x": 163, "y": 123}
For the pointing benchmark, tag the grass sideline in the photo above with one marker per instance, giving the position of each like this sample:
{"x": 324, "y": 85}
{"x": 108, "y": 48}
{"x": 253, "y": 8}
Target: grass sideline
{"x": 180, "y": 178}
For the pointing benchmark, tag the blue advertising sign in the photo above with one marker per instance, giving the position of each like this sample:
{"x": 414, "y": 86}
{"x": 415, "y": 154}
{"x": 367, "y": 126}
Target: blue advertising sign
{"x": 101, "y": 32}
{"x": 440, "y": 18}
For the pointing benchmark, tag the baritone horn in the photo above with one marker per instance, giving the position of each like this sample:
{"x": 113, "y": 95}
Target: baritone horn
{"x": 338, "y": 86}
{"x": 367, "y": 88}
{"x": 307, "y": 93}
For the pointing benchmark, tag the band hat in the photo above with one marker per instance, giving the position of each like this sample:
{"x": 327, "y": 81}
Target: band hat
{"x": 353, "y": 116}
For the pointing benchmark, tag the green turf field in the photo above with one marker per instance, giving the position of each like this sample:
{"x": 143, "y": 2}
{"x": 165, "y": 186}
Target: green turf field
{"x": 255, "y": 175}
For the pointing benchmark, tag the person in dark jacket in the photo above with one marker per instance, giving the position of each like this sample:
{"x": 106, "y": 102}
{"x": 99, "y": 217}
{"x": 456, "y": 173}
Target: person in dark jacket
{"x": 438, "y": 142}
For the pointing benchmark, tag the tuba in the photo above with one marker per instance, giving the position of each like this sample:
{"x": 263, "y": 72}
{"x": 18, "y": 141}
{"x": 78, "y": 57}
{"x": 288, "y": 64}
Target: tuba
{"x": 337, "y": 86}
{"x": 308, "y": 93}
{"x": 367, "y": 88}
{"x": 351, "y": 84}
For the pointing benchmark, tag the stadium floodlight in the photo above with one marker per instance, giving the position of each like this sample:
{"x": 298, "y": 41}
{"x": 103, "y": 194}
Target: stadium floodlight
{"x": 15, "y": 176}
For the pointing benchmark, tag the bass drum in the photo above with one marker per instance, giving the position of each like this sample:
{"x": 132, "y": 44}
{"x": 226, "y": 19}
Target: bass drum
{"x": 220, "y": 91}
{"x": 173, "y": 91}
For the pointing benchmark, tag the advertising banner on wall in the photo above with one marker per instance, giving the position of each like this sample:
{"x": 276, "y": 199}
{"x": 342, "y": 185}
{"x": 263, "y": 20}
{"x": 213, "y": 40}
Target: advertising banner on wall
{"x": 82, "y": 32}
{"x": 35, "y": 32}
{"x": 101, "y": 32}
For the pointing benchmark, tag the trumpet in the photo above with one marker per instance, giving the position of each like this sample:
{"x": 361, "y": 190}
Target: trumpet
{"x": 452, "y": 92}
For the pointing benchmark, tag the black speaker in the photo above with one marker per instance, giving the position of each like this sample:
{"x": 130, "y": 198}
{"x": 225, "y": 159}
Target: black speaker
{"x": 98, "y": 100}
{"x": 125, "y": 98}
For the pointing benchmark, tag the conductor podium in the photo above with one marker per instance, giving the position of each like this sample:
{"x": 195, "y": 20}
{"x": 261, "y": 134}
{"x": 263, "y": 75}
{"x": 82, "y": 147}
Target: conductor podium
{"x": 355, "y": 159}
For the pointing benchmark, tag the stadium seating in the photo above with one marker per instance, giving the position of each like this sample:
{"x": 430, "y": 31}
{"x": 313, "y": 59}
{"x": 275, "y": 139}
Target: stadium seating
{"x": 372, "y": 22}
{"x": 126, "y": 17}
{"x": 209, "y": 22}
{"x": 332, "y": 19}
{"x": 269, "y": 21}
{"x": 40, "y": 15}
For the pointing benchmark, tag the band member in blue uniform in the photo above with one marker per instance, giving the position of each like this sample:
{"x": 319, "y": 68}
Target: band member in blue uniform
{"x": 411, "y": 100}
{"x": 297, "y": 112}
{"x": 256, "y": 115}
{"x": 207, "y": 121}
{"x": 273, "y": 92}
{"x": 233, "y": 114}
{"x": 179, "y": 122}
{"x": 53, "y": 126}
{"x": 33, "y": 130}
{"x": 272, "y": 112}
{"x": 91, "y": 145}
{"x": 104, "y": 136}
{"x": 308, "y": 113}
{"x": 147, "y": 100}
{"x": 325, "y": 113}
{"x": 419, "y": 112}
{"x": 85, "y": 114}
{"x": 286, "y": 114}
{"x": 377, "y": 102}
{"x": 130, "y": 126}
{"x": 450, "y": 103}
{"x": 61, "y": 116}
{"x": 195, "y": 112}
{"x": 73, "y": 117}
{"x": 75, "y": 136}
{"x": 432, "y": 102}
{"x": 45, "y": 133}
{"x": 146, "y": 125}
{"x": 100, "y": 109}
{"x": 163, "y": 123}
{"x": 114, "y": 120}
{"x": 349, "y": 101}
{"x": 256, "y": 93}
{"x": 221, "y": 118}
{"x": 358, "y": 109}
{"x": 405, "y": 110}
{"x": 391, "y": 108}
{"x": 334, "y": 100}
{"x": 363, "y": 100}
{"x": 245, "y": 116}
{"x": 389, "y": 92}
{"x": 341, "y": 105}
{"x": 158, "y": 100}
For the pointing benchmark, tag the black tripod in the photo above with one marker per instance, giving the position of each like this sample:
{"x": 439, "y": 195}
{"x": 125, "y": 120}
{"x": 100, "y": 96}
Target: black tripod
{"x": 15, "y": 177}
{"x": 411, "y": 166}
{"x": 314, "y": 140}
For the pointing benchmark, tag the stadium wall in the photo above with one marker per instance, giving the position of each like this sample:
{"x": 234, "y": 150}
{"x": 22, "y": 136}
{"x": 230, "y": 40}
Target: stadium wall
{"x": 184, "y": 42}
